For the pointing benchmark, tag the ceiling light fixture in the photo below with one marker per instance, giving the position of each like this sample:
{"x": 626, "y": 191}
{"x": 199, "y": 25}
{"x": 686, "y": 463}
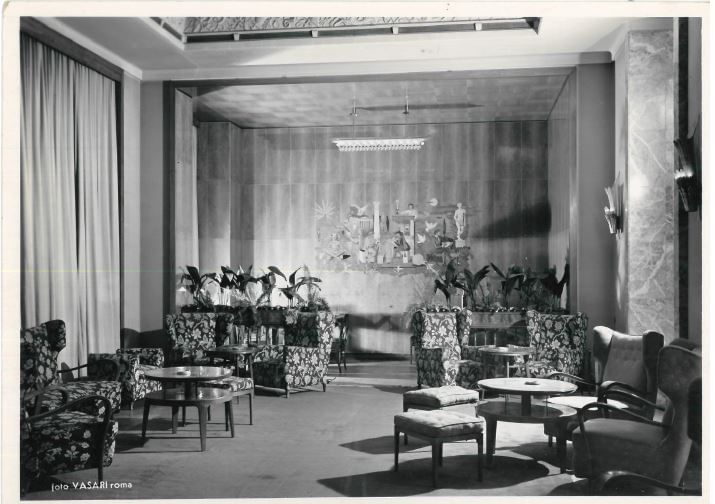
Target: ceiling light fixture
{"x": 378, "y": 144}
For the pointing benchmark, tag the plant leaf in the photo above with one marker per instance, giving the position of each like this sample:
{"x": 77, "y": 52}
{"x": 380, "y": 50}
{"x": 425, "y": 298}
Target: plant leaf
{"x": 277, "y": 272}
{"x": 497, "y": 270}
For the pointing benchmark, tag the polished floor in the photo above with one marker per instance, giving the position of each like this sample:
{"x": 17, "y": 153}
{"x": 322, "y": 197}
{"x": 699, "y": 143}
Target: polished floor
{"x": 315, "y": 444}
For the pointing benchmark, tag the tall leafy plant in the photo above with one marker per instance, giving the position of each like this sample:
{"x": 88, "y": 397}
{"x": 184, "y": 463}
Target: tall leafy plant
{"x": 554, "y": 286}
{"x": 473, "y": 284}
{"x": 268, "y": 284}
{"x": 509, "y": 281}
{"x": 448, "y": 281}
{"x": 196, "y": 283}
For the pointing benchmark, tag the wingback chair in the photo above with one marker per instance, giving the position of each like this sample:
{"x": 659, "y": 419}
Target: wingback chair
{"x": 66, "y": 439}
{"x": 133, "y": 364}
{"x": 39, "y": 351}
{"x": 559, "y": 341}
{"x": 438, "y": 349}
{"x": 191, "y": 335}
{"x": 303, "y": 360}
{"x": 655, "y": 449}
{"x": 620, "y": 362}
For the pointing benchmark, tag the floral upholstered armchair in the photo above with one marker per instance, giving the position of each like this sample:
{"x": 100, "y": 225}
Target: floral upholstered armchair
{"x": 559, "y": 341}
{"x": 191, "y": 335}
{"x": 303, "y": 360}
{"x": 39, "y": 350}
{"x": 438, "y": 338}
{"x": 66, "y": 439}
{"x": 133, "y": 364}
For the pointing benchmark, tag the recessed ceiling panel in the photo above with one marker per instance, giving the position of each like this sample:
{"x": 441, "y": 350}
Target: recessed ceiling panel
{"x": 495, "y": 97}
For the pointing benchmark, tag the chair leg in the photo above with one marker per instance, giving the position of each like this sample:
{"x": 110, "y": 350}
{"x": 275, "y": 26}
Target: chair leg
{"x": 208, "y": 413}
{"x": 435, "y": 460}
{"x": 441, "y": 453}
{"x": 551, "y": 441}
{"x": 480, "y": 455}
{"x": 397, "y": 445}
{"x": 145, "y": 419}
{"x": 287, "y": 392}
{"x": 183, "y": 416}
{"x": 325, "y": 385}
{"x": 250, "y": 408}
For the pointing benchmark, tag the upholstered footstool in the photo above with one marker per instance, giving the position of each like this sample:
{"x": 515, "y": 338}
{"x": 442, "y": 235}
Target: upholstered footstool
{"x": 438, "y": 397}
{"x": 437, "y": 427}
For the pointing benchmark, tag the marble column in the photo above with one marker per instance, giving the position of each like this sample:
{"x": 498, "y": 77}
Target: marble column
{"x": 649, "y": 232}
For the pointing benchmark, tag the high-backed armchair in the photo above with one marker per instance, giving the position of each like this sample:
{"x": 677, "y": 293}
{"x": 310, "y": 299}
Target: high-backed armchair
{"x": 559, "y": 341}
{"x": 303, "y": 360}
{"x": 133, "y": 364}
{"x": 438, "y": 352}
{"x": 620, "y": 362}
{"x": 39, "y": 351}
{"x": 655, "y": 449}
{"x": 66, "y": 439}
{"x": 191, "y": 335}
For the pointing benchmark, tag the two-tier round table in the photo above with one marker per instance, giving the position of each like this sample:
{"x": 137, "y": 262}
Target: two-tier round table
{"x": 524, "y": 411}
{"x": 191, "y": 394}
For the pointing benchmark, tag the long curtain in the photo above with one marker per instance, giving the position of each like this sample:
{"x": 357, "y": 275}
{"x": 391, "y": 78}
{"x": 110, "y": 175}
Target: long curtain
{"x": 69, "y": 200}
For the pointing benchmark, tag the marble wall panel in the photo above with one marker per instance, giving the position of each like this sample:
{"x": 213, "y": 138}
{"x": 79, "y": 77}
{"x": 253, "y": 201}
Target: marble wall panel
{"x": 651, "y": 286}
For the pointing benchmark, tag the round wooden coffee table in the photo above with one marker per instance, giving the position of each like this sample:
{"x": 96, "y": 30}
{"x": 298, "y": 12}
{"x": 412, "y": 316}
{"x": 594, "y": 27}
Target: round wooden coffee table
{"x": 190, "y": 395}
{"x": 523, "y": 411}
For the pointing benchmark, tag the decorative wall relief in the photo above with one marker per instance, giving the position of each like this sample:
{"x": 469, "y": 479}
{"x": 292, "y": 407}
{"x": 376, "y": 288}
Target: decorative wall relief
{"x": 389, "y": 239}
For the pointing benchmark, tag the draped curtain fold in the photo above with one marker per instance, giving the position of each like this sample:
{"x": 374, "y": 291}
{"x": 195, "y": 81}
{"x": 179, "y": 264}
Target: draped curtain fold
{"x": 69, "y": 200}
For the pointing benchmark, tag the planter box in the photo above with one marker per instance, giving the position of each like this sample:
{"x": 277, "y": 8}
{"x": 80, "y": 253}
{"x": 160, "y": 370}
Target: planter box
{"x": 498, "y": 320}
{"x": 499, "y": 328}
{"x": 271, "y": 317}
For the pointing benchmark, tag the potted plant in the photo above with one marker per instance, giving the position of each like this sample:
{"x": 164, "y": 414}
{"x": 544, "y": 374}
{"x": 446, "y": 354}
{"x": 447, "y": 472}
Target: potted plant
{"x": 449, "y": 282}
{"x": 268, "y": 314}
{"x": 197, "y": 283}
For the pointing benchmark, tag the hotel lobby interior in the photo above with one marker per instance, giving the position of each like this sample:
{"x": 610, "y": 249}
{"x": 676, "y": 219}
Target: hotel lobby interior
{"x": 300, "y": 257}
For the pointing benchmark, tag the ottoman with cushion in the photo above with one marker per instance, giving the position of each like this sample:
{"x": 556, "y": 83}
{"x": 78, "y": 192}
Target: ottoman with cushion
{"x": 437, "y": 427}
{"x": 438, "y": 397}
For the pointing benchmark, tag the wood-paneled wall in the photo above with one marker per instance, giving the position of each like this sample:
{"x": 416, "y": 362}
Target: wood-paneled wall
{"x": 497, "y": 169}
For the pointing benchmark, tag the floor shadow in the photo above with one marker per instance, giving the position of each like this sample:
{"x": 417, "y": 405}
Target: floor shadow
{"x": 414, "y": 477}
{"x": 394, "y": 389}
{"x": 382, "y": 445}
{"x": 572, "y": 488}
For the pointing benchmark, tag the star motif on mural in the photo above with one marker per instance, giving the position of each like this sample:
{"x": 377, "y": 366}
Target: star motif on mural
{"x": 398, "y": 269}
{"x": 430, "y": 268}
{"x": 324, "y": 210}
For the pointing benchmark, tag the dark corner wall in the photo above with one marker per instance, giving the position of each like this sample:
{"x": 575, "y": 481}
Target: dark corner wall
{"x": 580, "y": 166}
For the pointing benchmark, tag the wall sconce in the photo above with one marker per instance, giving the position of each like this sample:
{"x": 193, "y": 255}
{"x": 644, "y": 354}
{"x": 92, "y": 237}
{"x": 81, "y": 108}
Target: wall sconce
{"x": 612, "y": 212}
{"x": 685, "y": 177}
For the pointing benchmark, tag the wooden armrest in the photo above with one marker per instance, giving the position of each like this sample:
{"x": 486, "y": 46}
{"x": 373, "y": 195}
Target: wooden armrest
{"x": 107, "y": 407}
{"x": 610, "y": 407}
{"x": 627, "y": 396}
{"x": 572, "y": 377}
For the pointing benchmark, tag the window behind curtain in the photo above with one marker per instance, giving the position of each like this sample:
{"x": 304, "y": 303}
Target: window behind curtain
{"x": 69, "y": 200}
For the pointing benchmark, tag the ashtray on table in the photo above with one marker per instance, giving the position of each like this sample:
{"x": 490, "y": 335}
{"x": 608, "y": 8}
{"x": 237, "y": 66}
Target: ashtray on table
{"x": 183, "y": 372}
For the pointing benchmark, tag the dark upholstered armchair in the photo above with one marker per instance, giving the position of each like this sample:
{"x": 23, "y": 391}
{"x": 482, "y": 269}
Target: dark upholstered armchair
{"x": 654, "y": 449}
{"x": 439, "y": 341}
{"x": 559, "y": 341}
{"x": 66, "y": 439}
{"x": 630, "y": 483}
{"x": 620, "y": 362}
{"x": 39, "y": 350}
{"x": 133, "y": 364}
{"x": 303, "y": 360}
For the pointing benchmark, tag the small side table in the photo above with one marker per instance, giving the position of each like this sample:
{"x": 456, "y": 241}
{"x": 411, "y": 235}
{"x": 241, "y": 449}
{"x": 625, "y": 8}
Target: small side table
{"x": 491, "y": 354}
{"x": 234, "y": 352}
